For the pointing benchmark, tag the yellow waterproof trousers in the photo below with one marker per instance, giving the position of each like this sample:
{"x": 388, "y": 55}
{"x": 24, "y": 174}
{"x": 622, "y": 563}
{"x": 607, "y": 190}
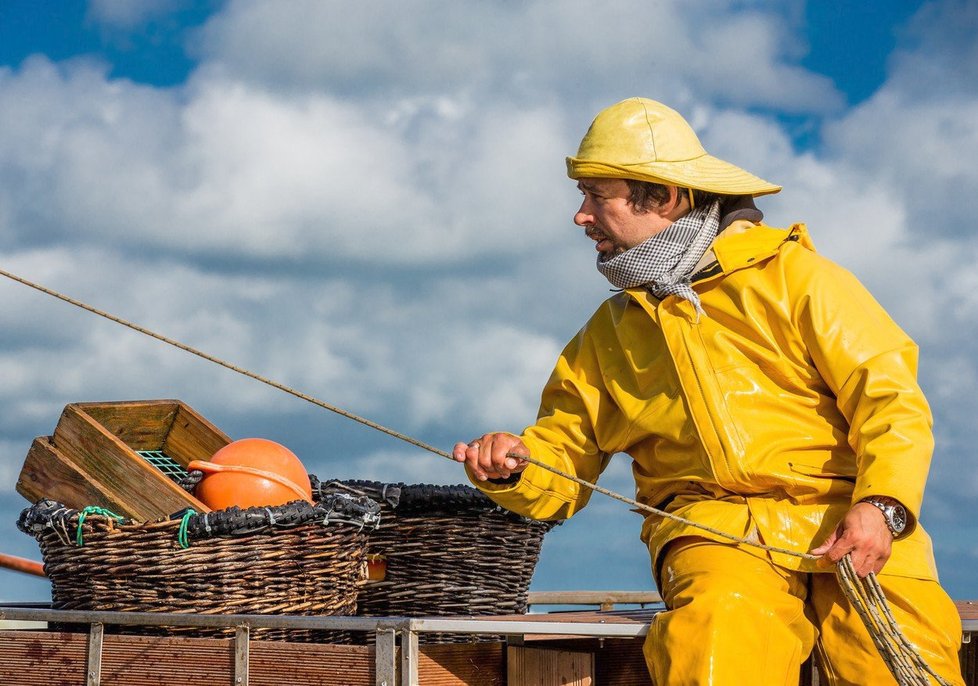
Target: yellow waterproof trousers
{"x": 734, "y": 618}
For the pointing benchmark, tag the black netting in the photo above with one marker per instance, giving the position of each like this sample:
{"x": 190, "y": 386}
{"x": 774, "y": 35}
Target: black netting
{"x": 335, "y": 508}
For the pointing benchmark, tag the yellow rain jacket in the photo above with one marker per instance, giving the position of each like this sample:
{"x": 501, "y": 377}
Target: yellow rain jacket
{"x": 794, "y": 397}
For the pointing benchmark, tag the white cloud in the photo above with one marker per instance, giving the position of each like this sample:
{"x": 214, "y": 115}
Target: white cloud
{"x": 922, "y": 149}
{"x": 919, "y": 133}
{"x": 373, "y": 209}
{"x": 522, "y": 51}
{"x": 127, "y": 15}
{"x": 221, "y": 168}
{"x": 409, "y": 466}
{"x": 938, "y": 56}
{"x": 489, "y": 372}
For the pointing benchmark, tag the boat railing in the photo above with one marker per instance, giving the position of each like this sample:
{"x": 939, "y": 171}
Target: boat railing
{"x": 603, "y": 600}
{"x": 396, "y": 654}
{"x": 396, "y": 638}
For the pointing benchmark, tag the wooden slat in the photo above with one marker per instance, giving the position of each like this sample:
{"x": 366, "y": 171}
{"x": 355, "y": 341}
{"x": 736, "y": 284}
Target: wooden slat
{"x": 47, "y": 473}
{"x": 191, "y": 437}
{"x": 28, "y": 658}
{"x": 536, "y": 667}
{"x": 140, "y": 424}
{"x": 968, "y": 609}
{"x": 127, "y": 476}
{"x": 473, "y": 664}
{"x": 969, "y": 661}
{"x": 620, "y": 662}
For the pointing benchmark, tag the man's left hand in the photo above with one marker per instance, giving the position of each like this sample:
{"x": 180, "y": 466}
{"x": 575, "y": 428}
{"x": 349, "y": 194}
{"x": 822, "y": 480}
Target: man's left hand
{"x": 862, "y": 534}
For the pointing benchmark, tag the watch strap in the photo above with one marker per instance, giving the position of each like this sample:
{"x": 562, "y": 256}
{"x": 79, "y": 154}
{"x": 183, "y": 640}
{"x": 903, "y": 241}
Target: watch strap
{"x": 894, "y": 513}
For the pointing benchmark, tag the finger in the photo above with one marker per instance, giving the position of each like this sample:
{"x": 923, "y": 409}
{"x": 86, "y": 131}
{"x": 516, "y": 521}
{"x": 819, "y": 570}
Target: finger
{"x": 822, "y": 549}
{"x": 470, "y": 455}
{"x": 865, "y": 566}
{"x": 502, "y": 462}
{"x": 458, "y": 452}
{"x": 827, "y": 544}
{"x": 485, "y": 448}
{"x": 873, "y": 562}
{"x": 477, "y": 471}
{"x": 514, "y": 458}
{"x": 839, "y": 550}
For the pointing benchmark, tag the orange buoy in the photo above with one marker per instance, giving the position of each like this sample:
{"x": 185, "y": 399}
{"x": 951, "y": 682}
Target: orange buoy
{"x": 252, "y": 472}
{"x": 376, "y": 567}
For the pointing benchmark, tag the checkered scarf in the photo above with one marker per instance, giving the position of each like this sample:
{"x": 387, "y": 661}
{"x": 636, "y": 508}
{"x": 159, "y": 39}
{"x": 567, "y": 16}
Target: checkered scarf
{"x": 664, "y": 263}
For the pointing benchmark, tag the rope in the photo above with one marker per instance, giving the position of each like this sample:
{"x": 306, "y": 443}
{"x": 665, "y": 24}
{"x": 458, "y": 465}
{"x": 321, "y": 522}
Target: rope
{"x": 865, "y": 594}
{"x": 222, "y": 363}
{"x": 83, "y": 515}
{"x": 900, "y": 655}
{"x": 182, "y": 539}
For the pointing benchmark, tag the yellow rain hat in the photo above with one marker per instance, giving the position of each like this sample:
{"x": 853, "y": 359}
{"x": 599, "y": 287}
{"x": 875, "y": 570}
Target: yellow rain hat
{"x": 644, "y": 140}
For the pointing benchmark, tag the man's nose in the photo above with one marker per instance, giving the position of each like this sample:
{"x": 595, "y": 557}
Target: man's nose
{"x": 583, "y": 217}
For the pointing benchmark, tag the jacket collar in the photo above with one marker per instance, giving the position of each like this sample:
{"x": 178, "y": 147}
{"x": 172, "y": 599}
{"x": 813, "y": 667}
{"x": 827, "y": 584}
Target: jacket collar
{"x": 737, "y": 214}
{"x": 744, "y": 244}
{"x": 736, "y": 208}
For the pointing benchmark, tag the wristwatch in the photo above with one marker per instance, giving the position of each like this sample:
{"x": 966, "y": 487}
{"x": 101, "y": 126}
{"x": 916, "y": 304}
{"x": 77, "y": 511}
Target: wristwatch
{"x": 894, "y": 513}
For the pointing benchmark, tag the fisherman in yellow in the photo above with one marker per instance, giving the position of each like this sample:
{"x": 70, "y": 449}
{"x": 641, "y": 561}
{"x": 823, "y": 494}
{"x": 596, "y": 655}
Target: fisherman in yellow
{"x": 760, "y": 391}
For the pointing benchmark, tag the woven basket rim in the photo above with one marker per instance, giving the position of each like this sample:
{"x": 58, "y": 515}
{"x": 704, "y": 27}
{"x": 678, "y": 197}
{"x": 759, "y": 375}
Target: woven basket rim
{"x": 398, "y": 499}
{"x": 336, "y": 510}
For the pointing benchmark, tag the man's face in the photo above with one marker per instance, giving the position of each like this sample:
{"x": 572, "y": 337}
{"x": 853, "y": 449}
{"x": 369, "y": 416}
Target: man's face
{"x": 610, "y": 220}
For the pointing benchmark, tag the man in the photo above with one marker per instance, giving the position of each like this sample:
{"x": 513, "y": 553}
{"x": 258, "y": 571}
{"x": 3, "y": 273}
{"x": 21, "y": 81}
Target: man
{"x": 760, "y": 391}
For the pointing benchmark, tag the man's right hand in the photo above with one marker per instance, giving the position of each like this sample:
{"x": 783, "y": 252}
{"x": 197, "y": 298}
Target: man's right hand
{"x": 487, "y": 457}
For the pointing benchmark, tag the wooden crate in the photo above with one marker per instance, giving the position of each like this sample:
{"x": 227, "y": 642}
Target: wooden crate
{"x": 92, "y": 457}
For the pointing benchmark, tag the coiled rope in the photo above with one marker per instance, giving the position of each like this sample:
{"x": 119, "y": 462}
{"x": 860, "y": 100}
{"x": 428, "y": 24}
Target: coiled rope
{"x": 901, "y": 657}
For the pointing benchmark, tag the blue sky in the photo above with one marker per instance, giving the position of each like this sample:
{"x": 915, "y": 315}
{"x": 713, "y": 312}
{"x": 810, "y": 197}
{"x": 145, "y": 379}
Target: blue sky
{"x": 367, "y": 202}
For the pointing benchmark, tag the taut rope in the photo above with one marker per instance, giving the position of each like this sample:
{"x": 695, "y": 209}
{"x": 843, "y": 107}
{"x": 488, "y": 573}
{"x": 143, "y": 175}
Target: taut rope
{"x": 866, "y": 595}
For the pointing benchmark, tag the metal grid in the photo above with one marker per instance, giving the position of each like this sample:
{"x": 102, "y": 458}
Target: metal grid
{"x": 164, "y": 463}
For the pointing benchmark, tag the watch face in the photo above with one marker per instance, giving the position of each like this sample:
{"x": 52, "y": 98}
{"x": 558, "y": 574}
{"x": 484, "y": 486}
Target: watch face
{"x": 897, "y": 517}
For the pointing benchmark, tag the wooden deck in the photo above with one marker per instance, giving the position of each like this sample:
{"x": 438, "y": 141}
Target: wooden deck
{"x": 577, "y": 648}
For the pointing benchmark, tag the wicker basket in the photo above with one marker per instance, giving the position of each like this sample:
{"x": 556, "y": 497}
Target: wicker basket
{"x": 277, "y": 560}
{"x": 448, "y": 551}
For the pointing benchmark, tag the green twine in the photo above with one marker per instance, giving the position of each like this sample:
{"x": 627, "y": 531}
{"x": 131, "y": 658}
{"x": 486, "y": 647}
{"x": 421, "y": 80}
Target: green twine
{"x": 93, "y": 509}
{"x": 182, "y": 538}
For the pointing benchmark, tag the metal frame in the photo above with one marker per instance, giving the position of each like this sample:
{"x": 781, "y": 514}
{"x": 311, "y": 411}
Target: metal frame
{"x": 397, "y": 653}
{"x": 93, "y": 670}
{"x": 605, "y": 600}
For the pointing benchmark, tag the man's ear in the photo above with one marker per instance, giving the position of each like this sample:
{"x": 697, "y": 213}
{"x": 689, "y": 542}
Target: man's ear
{"x": 671, "y": 205}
